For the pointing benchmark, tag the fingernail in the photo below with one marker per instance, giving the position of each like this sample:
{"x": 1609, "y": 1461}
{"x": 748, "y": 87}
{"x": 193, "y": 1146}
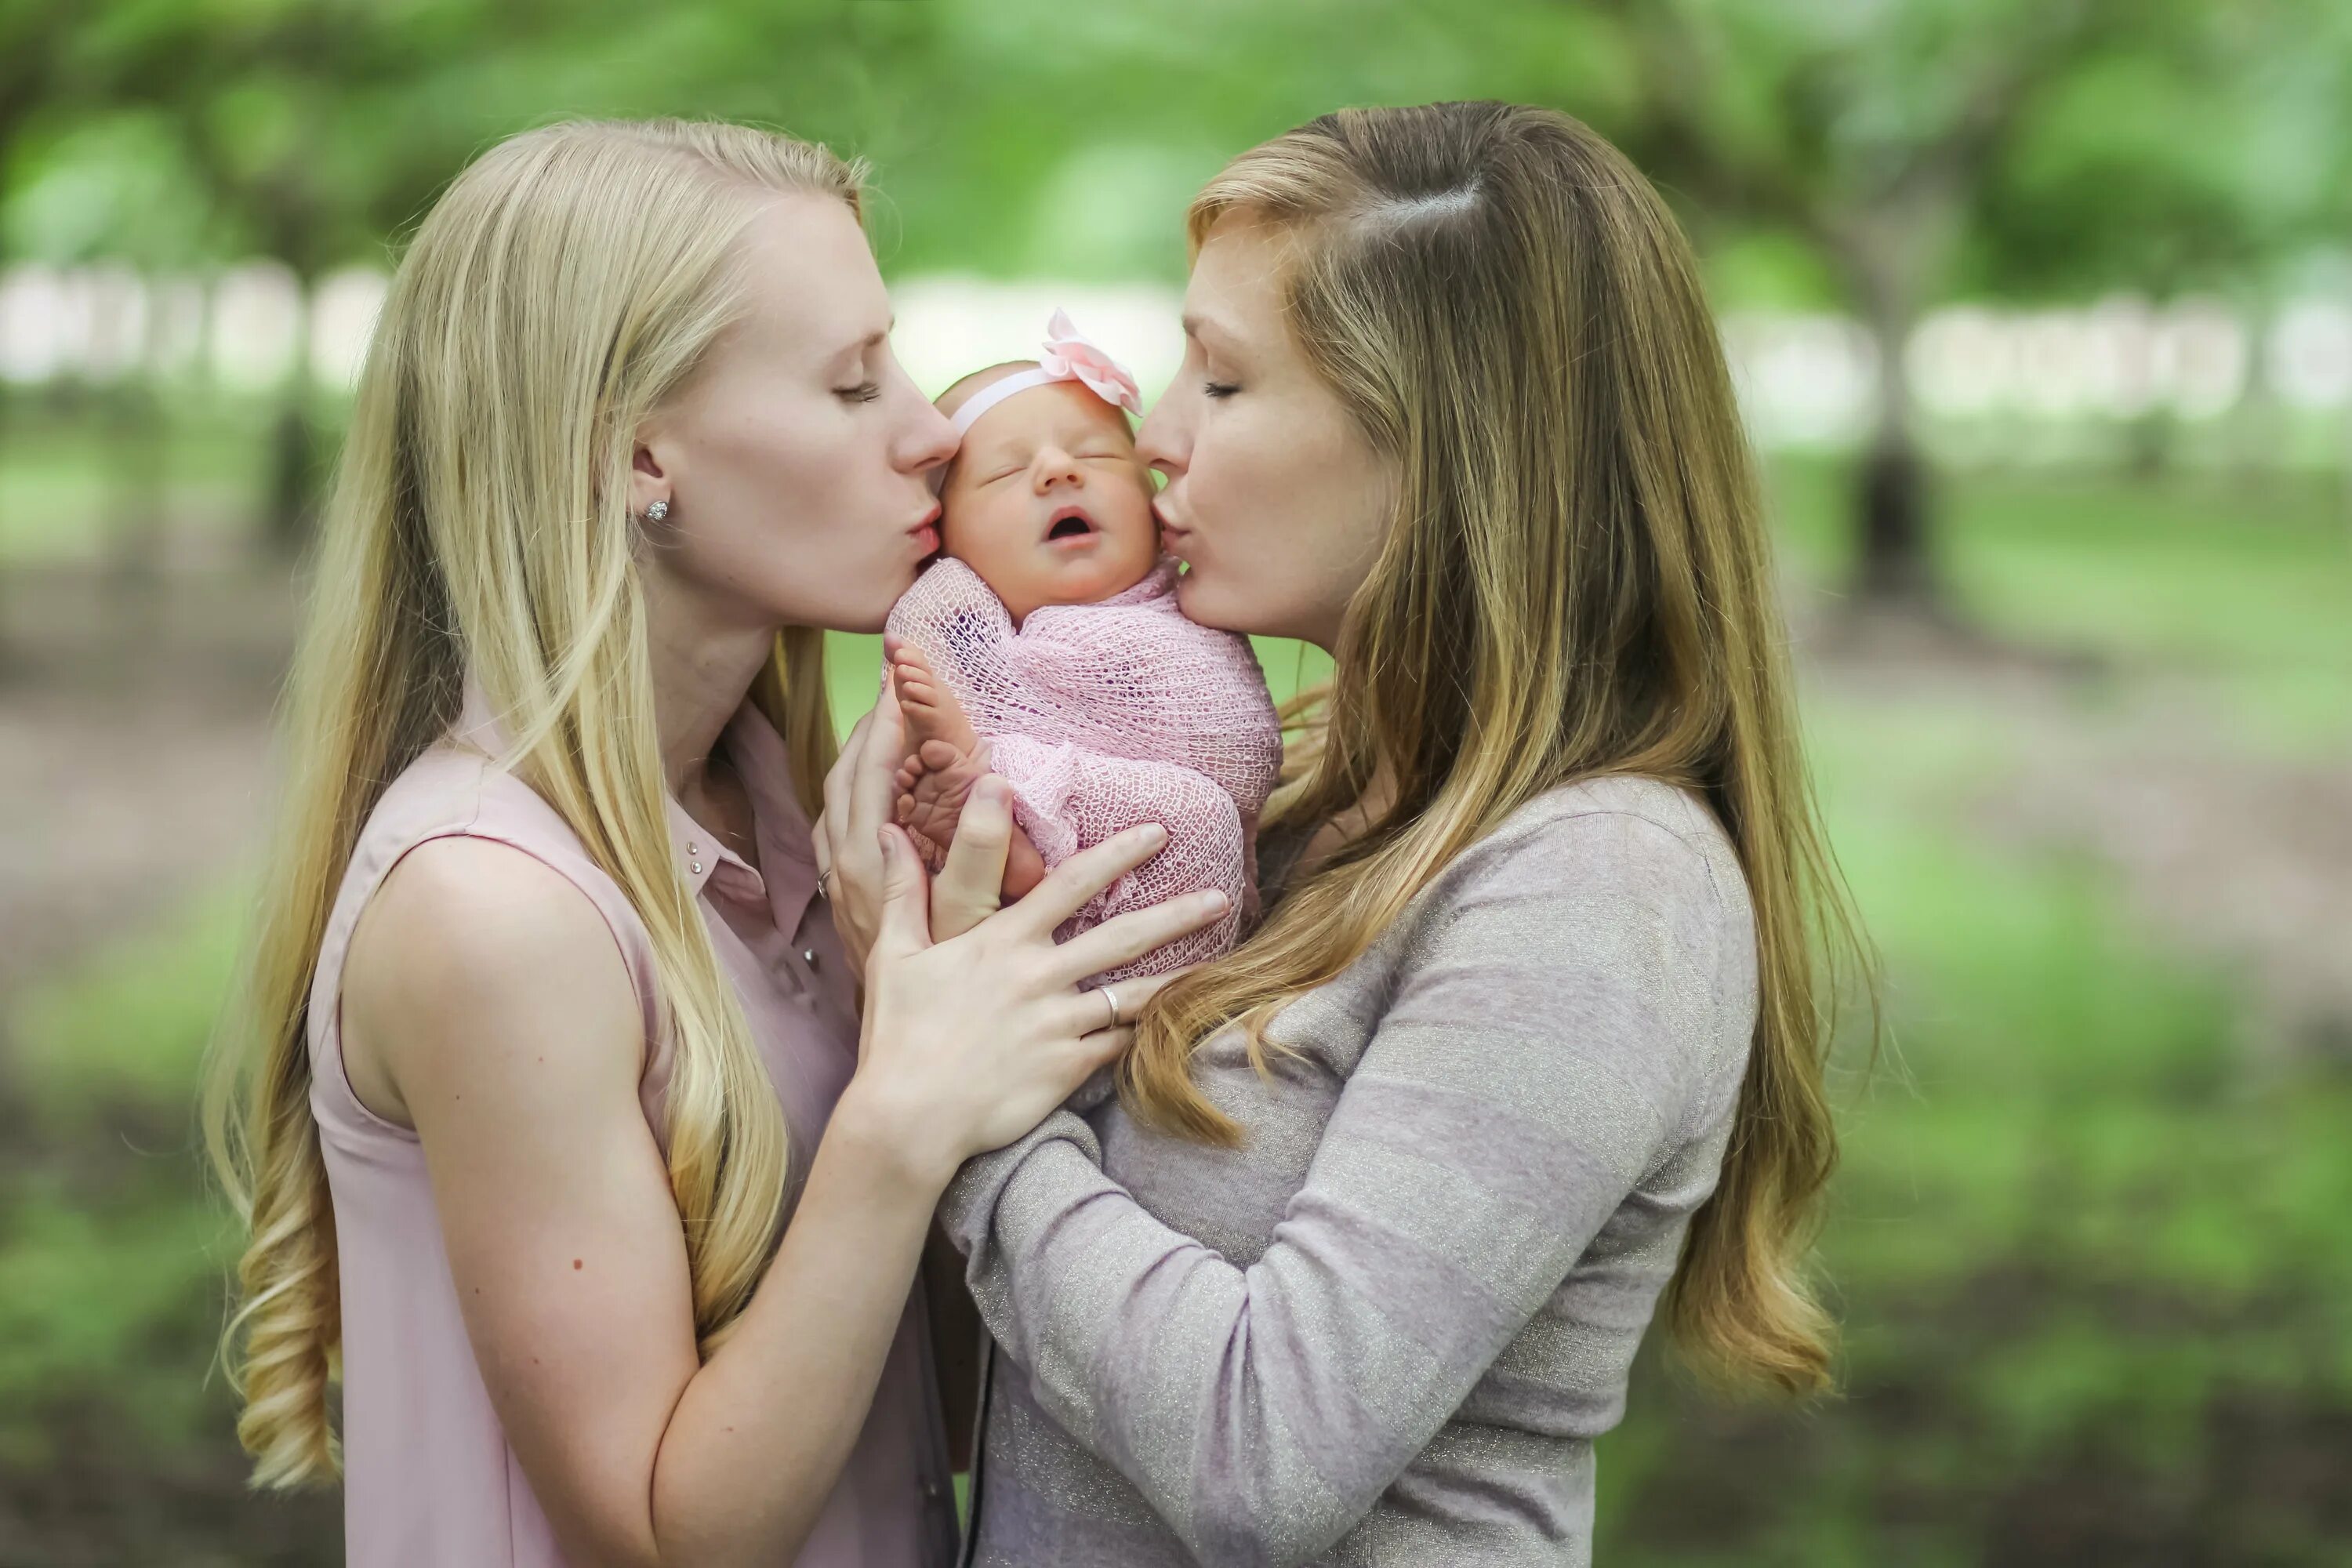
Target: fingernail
{"x": 1213, "y": 901}
{"x": 889, "y": 846}
{"x": 1152, "y": 832}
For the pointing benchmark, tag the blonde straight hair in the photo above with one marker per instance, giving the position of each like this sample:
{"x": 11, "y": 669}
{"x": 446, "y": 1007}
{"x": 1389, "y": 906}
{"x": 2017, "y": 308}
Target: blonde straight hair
{"x": 565, "y": 284}
{"x": 1576, "y": 583}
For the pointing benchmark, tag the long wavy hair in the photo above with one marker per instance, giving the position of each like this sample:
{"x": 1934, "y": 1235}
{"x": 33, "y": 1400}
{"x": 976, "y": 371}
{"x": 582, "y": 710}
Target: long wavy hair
{"x": 1576, "y": 582}
{"x": 567, "y": 282}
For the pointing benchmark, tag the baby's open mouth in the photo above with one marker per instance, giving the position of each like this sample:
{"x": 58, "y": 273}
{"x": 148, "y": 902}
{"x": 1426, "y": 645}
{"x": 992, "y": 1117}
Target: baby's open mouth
{"x": 1067, "y": 524}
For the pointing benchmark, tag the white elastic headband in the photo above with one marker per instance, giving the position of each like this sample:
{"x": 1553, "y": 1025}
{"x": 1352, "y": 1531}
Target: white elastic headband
{"x": 996, "y": 392}
{"x": 1067, "y": 354}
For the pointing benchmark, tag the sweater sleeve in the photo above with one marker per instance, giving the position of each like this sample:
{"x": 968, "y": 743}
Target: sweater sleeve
{"x": 1535, "y": 1062}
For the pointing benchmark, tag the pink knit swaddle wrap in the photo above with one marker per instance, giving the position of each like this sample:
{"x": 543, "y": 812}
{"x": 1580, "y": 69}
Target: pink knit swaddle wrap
{"x": 1108, "y": 715}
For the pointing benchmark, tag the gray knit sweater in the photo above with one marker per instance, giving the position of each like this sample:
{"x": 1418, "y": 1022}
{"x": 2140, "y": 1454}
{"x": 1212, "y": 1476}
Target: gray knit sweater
{"x": 1388, "y": 1328}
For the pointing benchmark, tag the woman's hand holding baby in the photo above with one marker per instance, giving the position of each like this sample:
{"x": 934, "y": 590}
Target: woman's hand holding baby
{"x": 858, "y": 800}
{"x": 968, "y": 1041}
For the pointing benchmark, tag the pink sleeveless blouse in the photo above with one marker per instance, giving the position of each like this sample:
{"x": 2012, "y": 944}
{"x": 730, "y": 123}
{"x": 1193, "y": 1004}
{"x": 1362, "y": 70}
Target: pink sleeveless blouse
{"x": 428, "y": 1477}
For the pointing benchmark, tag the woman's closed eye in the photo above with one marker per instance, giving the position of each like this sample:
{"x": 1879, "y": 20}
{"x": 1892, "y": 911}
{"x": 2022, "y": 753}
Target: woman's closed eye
{"x": 1220, "y": 388}
{"x": 864, "y": 392}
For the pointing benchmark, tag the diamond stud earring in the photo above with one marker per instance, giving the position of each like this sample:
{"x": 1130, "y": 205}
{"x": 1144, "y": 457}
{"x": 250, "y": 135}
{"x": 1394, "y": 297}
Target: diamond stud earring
{"x": 657, "y": 511}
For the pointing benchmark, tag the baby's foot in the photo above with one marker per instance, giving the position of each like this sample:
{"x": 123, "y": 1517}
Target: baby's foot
{"x": 947, "y": 759}
{"x": 931, "y": 708}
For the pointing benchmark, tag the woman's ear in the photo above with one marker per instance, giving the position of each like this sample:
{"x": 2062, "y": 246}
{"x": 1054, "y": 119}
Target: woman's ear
{"x": 649, "y": 481}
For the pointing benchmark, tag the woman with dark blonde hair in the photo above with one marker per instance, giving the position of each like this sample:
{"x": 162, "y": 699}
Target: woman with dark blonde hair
{"x": 1533, "y": 1031}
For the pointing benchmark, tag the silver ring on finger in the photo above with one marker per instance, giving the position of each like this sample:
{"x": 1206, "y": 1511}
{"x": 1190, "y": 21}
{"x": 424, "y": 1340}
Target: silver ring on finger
{"x": 1112, "y": 998}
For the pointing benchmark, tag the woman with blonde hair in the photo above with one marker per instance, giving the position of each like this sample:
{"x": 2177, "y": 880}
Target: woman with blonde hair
{"x": 1533, "y": 1030}
{"x": 549, "y": 1108}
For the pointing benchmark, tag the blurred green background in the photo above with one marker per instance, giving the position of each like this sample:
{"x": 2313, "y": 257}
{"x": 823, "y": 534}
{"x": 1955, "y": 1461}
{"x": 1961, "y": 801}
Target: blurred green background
{"x": 2042, "y": 313}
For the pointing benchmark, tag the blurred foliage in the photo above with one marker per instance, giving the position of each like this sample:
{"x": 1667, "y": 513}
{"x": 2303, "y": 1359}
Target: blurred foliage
{"x": 1877, "y": 156}
{"x": 2069, "y": 141}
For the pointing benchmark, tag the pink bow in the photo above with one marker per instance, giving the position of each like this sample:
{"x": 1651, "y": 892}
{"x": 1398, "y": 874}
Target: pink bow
{"x": 1070, "y": 355}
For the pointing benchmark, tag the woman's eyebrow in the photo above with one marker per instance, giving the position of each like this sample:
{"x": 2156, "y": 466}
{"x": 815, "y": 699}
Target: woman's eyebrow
{"x": 859, "y": 348}
{"x": 1197, "y": 326}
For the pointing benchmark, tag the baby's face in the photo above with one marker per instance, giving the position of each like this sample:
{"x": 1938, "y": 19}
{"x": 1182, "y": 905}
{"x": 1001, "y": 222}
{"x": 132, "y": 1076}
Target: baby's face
{"x": 1049, "y": 502}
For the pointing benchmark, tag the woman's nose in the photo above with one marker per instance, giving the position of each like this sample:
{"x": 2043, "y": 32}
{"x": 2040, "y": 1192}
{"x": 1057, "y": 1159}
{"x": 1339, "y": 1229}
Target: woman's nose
{"x": 931, "y": 438}
{"x": 1159, "y": 440}
{"x": 933, "y": 441}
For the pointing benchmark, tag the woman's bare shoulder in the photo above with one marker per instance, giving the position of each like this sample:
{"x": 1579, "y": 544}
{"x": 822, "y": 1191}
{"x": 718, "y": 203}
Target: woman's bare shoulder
{"x": 468, "y": 947}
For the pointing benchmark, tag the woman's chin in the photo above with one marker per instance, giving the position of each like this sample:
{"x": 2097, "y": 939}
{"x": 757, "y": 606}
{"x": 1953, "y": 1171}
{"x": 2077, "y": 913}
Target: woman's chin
{"x": 856, "y": 618}
{"x": 1201, "y": 603}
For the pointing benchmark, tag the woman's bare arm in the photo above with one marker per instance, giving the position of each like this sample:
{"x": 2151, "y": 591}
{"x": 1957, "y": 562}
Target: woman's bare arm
{"x": 489, "y": 996}
{"x": 496, "y": 998}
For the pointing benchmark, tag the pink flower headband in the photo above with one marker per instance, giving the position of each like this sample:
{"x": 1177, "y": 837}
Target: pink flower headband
{"x": 1066, "y": 355}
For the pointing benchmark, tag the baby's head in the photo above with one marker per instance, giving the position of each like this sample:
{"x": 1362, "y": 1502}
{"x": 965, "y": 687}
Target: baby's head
{"x": 1046, "y": 499}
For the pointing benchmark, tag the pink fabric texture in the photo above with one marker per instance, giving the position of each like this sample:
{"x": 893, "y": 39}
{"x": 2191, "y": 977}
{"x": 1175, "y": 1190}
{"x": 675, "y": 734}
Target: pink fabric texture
{"x": 1108, "y": 715}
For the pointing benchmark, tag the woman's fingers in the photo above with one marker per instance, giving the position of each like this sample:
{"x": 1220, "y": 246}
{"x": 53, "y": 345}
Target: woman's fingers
{"x": 858, "y": 795}
{"x": 1131, "y": 935}
{"x": 858, "y": 801}
{"x": 833, "y": 823}
{"x": 1089, "y": 1011}
{"x": 1069, "y": 885}
{"x": 969, "y": 887}
{"x": 836, "y": 777}
{"x": 879, "y": 753}
{"x": 1100, "y": 1049}
{"x": 905, "y": 923}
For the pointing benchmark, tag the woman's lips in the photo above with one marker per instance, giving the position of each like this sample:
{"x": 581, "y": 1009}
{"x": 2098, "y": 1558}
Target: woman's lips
{"x": 1174, "y": 539}
{"x": 925, "y": 533}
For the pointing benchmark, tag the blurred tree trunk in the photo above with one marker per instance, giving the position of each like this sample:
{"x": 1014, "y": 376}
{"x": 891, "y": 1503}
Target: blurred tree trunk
{"x": 32, "y": 41}
{"x": 292, "y": 504}
{"x": 2148, "y": 444}
{"x": 135, "y": 523}
{"x": 1885, "y": 259}
{"x": 1894, "y": 559}
{"x": 1878, "y": 175}
{"x": 135, "y": 520}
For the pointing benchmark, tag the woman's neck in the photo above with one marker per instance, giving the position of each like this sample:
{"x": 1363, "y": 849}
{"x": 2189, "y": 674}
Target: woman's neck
{"x": 702, "y": 670}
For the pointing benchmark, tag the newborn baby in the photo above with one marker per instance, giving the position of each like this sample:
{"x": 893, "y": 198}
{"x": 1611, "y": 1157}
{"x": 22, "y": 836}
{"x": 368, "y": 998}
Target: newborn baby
{"x": 1045, "y": 646}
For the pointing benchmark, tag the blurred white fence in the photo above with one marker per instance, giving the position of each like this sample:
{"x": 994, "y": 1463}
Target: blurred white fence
{"x": 1805, "y": 380}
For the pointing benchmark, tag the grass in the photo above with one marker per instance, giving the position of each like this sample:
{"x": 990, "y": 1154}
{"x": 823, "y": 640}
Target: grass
{"x": 2239, "y": 588}
{"x": 2095, "y": 1272}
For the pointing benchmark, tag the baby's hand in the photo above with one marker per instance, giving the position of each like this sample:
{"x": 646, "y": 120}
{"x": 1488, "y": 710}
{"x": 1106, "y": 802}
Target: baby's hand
{"x": 945, "y": 758}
